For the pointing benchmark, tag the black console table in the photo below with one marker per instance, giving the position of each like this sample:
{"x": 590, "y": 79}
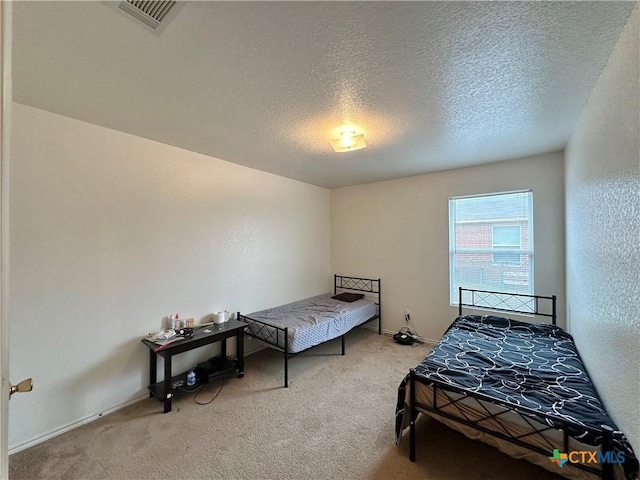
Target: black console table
{"x": 164, "y": 390}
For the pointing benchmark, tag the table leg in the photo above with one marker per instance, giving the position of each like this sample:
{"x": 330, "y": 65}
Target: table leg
{"x": 153, "y": 369}
{"x": 167, "y": 383}
{"x": 240, "y": 352}
{"x": 223, "y": 348}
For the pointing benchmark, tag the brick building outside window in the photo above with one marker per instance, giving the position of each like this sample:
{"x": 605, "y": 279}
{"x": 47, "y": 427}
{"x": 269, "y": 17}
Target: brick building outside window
{"x": 491, "y": 243}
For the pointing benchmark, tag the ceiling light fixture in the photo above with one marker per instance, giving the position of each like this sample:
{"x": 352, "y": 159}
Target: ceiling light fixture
{"x": 349, "y": 141}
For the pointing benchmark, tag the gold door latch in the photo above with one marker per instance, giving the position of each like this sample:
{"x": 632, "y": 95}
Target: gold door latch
{"x": 24, "y": 386}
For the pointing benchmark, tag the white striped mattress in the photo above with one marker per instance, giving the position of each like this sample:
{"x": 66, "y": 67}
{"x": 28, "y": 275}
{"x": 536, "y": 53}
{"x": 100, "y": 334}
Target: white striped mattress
{"x": 311, "y": 321}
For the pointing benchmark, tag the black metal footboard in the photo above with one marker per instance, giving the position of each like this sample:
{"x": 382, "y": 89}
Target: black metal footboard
{"x": 454, "y": 401}
{"x": 272, "y": 335}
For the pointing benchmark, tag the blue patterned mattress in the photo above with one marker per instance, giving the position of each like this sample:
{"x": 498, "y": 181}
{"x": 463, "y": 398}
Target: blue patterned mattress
{"x": 536, "y": 366}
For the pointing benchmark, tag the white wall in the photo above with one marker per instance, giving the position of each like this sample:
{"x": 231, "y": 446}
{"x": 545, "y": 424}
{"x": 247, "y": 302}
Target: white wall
{"x": 603, "y": 231}
{"x": 110, "y": 233}
{"x": 399, "y": 230}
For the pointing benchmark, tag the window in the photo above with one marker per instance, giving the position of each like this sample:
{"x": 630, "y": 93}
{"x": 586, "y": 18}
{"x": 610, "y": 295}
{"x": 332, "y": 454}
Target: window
{"x": 491, "y": 243}
{"x": 506, "y": 244}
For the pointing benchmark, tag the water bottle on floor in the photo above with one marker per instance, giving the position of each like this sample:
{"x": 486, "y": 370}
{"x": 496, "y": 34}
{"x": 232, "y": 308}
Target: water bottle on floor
{"x": 191, "y": 378}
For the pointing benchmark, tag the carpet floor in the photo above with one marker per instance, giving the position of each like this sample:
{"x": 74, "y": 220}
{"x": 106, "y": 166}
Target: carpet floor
{"x": 335, "y": 421}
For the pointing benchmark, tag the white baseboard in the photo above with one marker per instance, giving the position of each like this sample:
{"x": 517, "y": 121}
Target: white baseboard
{"x": 375, "y": 329}
{"x": 70, "y": 426}
{"x": 90, "y": 418}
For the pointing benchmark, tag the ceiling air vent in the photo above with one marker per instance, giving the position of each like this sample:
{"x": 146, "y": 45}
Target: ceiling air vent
{"x": 149, "y": 12}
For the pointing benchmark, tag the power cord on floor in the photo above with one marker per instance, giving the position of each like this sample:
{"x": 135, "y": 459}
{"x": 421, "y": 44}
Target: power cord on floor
{"x": 195, "y": 397}
{"x": 410, "y": 331}
{"x": 178, "y": 385}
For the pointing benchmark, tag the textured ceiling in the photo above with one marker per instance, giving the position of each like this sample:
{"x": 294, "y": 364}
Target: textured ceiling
{"x": 432, "y": 85}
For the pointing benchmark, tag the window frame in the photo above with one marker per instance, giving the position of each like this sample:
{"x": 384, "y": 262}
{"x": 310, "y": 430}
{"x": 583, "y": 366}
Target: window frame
{"x": 526, "y": 248}
{"x": 511, "y": 246}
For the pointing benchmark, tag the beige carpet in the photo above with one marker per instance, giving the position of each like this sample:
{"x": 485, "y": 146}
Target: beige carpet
{"x": 335, "y": 421}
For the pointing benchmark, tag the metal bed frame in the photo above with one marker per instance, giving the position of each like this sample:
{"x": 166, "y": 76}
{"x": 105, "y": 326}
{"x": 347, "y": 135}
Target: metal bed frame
{"x": 483, "y": 403}
{"x": 273, "y": 336}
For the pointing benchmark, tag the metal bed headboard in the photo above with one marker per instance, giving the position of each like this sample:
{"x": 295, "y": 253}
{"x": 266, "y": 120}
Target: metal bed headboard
{"x": 355, "y": 283}
{"x": 508, "y": 302}
{"x": 369, "y": 285}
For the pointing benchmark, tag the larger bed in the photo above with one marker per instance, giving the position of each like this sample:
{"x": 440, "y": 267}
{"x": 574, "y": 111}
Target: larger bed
{"x": 518, "y": 386}
{"x": 298, "y": 326}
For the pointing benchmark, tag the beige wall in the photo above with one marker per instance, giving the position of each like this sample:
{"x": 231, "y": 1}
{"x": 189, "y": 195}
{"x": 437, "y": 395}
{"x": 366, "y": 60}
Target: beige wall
{"x": 603, "y": 231}
{"x": 398, "y": 230}
{"x": 110, "y": 233}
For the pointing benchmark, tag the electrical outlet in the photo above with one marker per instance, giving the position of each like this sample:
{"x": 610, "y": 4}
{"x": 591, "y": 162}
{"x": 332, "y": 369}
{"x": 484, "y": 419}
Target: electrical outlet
{"x": 407, "y": 316}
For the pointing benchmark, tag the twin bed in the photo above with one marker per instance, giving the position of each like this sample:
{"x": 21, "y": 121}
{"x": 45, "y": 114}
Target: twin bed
{"x": 298, "y": 326}
{"x": 518, "y": 386}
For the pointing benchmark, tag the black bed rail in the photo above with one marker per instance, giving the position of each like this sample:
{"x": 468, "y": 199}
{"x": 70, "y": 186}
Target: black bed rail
{"x": 271, "y": 335}
{"x": 278, "y": 337}
{"x": 509, "y": 302}
{"x": 543, "y": 422}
